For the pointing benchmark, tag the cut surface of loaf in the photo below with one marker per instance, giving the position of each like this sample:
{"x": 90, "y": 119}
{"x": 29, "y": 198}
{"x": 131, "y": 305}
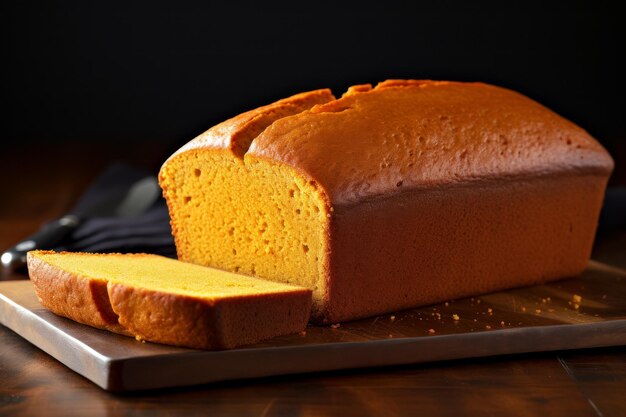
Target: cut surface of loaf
{"x": 409, "y": 193}
{"x": 166, "y": 301}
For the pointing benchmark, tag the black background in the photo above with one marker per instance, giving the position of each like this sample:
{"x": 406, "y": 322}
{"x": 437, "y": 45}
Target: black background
{"x": 156, "y": 71}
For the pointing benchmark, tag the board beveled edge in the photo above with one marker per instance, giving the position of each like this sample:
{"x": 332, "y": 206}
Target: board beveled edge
{"x": 185, "y": 369}
{"x": 84, "y": 360}
{"x": 200, "y": 367}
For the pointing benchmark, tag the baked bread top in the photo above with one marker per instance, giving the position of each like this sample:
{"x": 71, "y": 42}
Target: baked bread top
{"x": 407, "y": 134}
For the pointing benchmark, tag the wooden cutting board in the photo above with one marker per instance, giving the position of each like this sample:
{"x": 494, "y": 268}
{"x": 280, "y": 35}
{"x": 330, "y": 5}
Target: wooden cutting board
{"x": 588, "y": 311}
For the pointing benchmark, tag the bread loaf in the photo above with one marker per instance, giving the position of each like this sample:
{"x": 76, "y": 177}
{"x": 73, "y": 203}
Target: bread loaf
{"x": 166, "y": 301}
{"x": 409, "y": 193}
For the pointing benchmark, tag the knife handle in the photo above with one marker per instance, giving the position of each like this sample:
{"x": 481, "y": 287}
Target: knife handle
{"x": 51, "y": 234}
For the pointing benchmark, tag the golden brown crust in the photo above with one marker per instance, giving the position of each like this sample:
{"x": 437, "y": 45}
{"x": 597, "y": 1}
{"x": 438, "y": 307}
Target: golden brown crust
{"x": 73, "y": 296}
{"x": 459, "y": 241}
{"x": 202, "y": 324}
{"x": 408, "y": 134}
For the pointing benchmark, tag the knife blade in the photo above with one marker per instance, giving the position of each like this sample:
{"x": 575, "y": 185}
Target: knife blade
{"x": 119, "y": 191}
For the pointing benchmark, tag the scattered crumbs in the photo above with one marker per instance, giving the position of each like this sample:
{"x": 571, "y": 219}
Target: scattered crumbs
{"x": 335, "y": 326}
{"x": 549, "y": 299}
{"x": 550, "y": 310}
{"x": 604, "y": 296}
{"x": 420, "y": 318}
{"x": 475, "y": 320}
{"x": 431, "y": 331}
{"x": 390, "y": 336}
{"x": 490, "y": 311}
{"x": 577, "y": 298}
{"x": 392, "y": 318}
{"x": 576, "y": 306}
{"x": 596, "y": 315}
{"x": 438, "y": 316}
{"x": 523, "y": 309}
{"x": 519, "y": 323}
{"x": 455, "y": 317}
{"x": 478, "y": 301}
{"x": 544, "y": 300}
{"x": 538, "y": 311}
{"x": 502, "y": 323}
{"x": 488, "y": 327}
{"x": 446, "y": 304}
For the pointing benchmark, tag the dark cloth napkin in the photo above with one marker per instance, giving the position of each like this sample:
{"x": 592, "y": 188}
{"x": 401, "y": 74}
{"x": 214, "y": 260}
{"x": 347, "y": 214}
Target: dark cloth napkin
{"x": 147, "y": 232}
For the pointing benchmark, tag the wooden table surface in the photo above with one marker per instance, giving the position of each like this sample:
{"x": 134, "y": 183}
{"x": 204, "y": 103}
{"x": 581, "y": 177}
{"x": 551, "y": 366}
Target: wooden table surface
{"x": 570, "y": 383}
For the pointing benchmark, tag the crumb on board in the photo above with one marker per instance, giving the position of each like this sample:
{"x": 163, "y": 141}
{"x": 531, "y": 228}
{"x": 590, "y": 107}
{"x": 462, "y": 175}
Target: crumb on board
{"x": 502, "y": 323}
{"x": 335, "y": 326}
{"x": 392, "y": 318}
{"x": 488, "y": 327}
{"x": 447, "y": 304}
{"x": 302, "y": 333}
{"x": 604, "y": 296}
{"x": 523, "y": 309}
{"x": 431, "y": 331}
{"x": 577, "y": 298}
{"x": 455, "y": 317}
{"x": 574, "y": 305}
{"x": 390, "y": 336}
{"x": 538, "y": 311}
{"x": 490, "y": 311}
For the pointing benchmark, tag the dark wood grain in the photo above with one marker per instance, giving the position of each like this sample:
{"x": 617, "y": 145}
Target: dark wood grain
{"x": 576, "y": 383}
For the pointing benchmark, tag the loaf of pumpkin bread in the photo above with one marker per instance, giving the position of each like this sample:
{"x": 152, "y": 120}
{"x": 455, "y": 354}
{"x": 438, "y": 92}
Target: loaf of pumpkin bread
{"x": 409, "y": 193}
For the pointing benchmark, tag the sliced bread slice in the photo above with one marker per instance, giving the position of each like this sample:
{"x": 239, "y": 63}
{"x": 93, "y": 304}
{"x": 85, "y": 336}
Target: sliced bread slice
{"x": 162, "y": 300}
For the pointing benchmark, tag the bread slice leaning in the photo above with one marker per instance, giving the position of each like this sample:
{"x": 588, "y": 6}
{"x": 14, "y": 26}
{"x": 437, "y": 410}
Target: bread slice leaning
{"x": 162, "y": 300}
